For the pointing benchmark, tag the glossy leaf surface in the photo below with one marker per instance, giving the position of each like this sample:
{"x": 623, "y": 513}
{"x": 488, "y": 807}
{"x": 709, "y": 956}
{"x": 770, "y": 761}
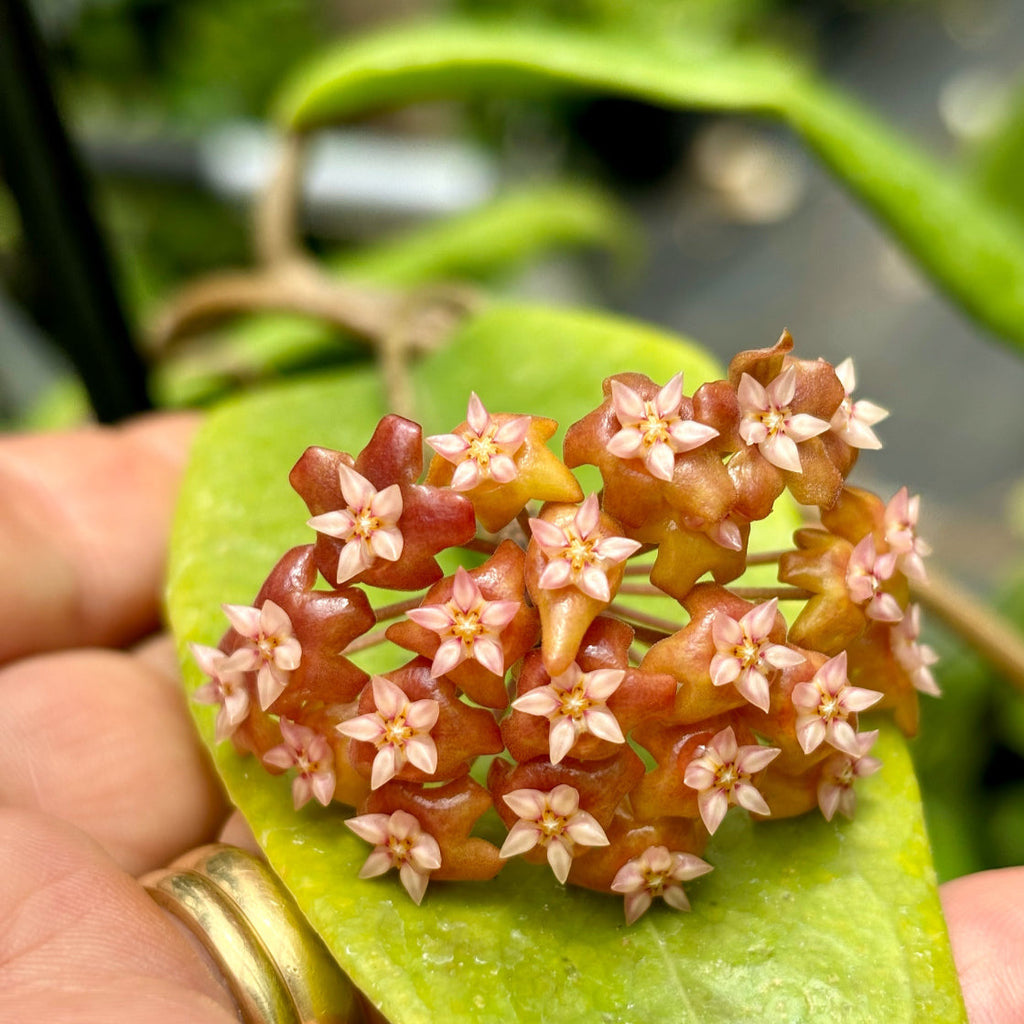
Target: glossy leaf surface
{"x": 962, "y": 240}
{"x": 801, "y": 920}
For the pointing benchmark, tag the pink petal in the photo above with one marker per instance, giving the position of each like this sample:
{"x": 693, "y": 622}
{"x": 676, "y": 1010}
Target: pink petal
{"x": 713, "y": 804}
{"x": 449, "y": 654}
{"x": 366, "y": 728}
{"x": 323, "y": 787}
{"x": 415, "y": 882}
{"x": 354, "y": 558}
{"x": 603, "y": 682}
{"x": 557, "y": 574}
{"x": 847, "y": 375}
{"x": 626, "y": 444}
{"x": 274, "y": 620}
{"x": 856, "y": 698}
{"x": 803, "y": 427}
{"x": 752, "y": 397}
{"x": 422, "y": 753}
{"x": 628, "y": 405}
{"x": 725, "y": 669}
{"x": 636, "y": 904}
{"x": 245, "y": 621}
{"x": 357, "y": 491}
{"x": 449, "y": 446}
{"x": 594, "y": 583}
{"x": 503, "y": 469}
{"x": 385, "y": 764}
{"x": 489, "y": 654}
{"x": 511, "y": 434}
{"x": 842, "y": 737}
{"x": 781, "y": 451}
{"x": 302, "y": 791}
{"x": 698, "y": 775}
{"x": 527, "y": 803}
{"x": 431, "y": 616}
{"x": 587, "y": 516}
{"x": 884, "y": 607}
{"x": 726, "y": 534}
{"x": 547, "y": 535}
{"x": 466, "y": 476}
{"x": 805, "y": 696}
{"x": 465, "y": 591}
{"x": 279, "y": 757}
{"x": 750, "y": 799}
{"x": 667, "y": 401}
{"x": 268, "y": 687}
{"x": 421, "y": 715}
{"x": 379, "y": 862}
{"x": 616, "y": 549}
{"x": 288, "y": 655}
{"x": 371, "y": 827}
{"x": 387, "y": 544}
{"x": 496, "y": 615}
{"x": 387, "y": 505}
{"x": 584, "y": 829}
{"x": 522, "y": 837}
{"x": 629, "y": 878}
{"x": 810, "y": 733}
{"x": 476, "y": 415}
{"x": 783, "y": 388}
{"x": 603, "y": 724}
{"x": 782, "y": 657}
{"x": 754, "y": 687}
{"x": 828, "y": 799}
{"x": 724, "y": 744}
{"x": 389, "y": 699}
{"x": 540, "y": 701}
{"x": 759, "y": 621}
{"x": 334, "y": 524}
{"x": 858, "y": 435}
{"x": 753, "y": 759}
{"x": 561, "y": 737}
{"x": 753, "y": 431}
{"x": 726, "y": 632}
{"x": 560, "y": 860}
{"x": 564, "y": 801}
{"x": 689, "y": 434}
{"x": 426, "y": 853}
{"x": 660, "y": 461}
{"x": 674, "y": 896}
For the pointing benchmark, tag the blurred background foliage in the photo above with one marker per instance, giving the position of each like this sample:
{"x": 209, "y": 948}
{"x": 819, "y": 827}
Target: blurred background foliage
{"x": 168, "y": 100}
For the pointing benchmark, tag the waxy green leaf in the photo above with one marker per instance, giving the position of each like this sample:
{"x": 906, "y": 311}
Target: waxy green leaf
{"x": 965, "y": 242}
{"x": 801, "y": 920}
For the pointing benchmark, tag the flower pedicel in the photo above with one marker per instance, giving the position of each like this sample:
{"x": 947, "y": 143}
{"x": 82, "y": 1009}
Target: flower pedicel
{"x": 622, "y": 740}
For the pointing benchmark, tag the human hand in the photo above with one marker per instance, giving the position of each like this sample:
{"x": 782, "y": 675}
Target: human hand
{"x": 101, "y": 774}
{"x": 94, "y": 725}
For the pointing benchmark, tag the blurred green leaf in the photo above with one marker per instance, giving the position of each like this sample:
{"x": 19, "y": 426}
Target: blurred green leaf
{"x": 964, "y": 242}
{"x": 801, "y": 921}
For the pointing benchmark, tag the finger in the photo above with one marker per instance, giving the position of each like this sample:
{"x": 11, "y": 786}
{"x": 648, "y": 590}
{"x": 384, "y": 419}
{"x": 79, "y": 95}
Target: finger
{"x": 84, "y": 523}
{"x": 81, "y": 942}
{"x": 103, "y": 739}
{"x": 985, "y": 915}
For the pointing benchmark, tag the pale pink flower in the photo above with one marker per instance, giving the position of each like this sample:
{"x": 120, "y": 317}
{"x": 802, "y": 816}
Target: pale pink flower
{"x": 553, "y": 821}
{"x": 227, "y": 686}
{"x": 655, "y": 431}
{"x": 865, "y": 573}
{"x": 469, "y": 626}
{"x": 721, "y": 775}
{"x": 484, "y": 450}
{"x": 853, "y": 421}
{"x": 767, "y": 421}
{"x": 745, "y": 656}
{"x": 574, "y": 703}
{"x": 916, "y": 658}
{"x": 901, "y": 534}
{"x": 398, "y": 842}
{"x": 824, "y": 705}
{"x": 368, "y": 524}
{"x": 577, "y": 555}
{"x": 309, "y": 752}
{"x": 400, "y": 730}
{"x": 657, "y": 872}
{"x": 838, "y": 773}
{"x": 272, "y": 647}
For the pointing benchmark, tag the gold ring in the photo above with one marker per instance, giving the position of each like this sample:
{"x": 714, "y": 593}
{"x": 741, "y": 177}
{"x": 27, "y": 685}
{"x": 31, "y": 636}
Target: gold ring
{"x": 276, "y": 966}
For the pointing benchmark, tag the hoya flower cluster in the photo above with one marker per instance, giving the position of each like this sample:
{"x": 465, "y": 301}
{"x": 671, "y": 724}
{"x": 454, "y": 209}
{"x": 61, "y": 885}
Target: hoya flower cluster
{"x": 621, "y": 741}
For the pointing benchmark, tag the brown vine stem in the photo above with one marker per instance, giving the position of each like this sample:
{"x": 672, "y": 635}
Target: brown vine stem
{"x": 367, "y": 640}
{"x": 989, "y": 633}
{"x": 661, "y": 628}
{"x": 276, "y": 216}
{"x": 767, "y": 593}
{"x": 392, "y": 611}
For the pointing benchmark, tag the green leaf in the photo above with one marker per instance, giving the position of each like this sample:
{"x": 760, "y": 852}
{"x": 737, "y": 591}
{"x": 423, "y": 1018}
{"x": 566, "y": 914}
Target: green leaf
{"x": 801, "y": 920}
{"x": 961, "y": 239}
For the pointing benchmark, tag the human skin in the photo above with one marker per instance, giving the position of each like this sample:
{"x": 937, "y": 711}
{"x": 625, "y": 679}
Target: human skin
{"x": 93, "y": 716}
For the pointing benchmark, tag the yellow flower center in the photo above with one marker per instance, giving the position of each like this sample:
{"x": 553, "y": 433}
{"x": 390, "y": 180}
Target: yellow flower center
{"x": 466, "y": 626}
{"x": 653, "y": 428}
{"x": 578, "y": 553}
{"x": 366, "y": 523}
{"x": 575, "y": 702}
{"x": 551, "y": 825}
{"x": 482, "y": 449}
{"x": 395, "y": 731}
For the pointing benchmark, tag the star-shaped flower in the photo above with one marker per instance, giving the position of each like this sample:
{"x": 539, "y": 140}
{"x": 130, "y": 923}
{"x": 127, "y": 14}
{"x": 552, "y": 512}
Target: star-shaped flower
{"x": 866, "y": 572}
{"x": 398, "y": 728}
{"x": 553, "y": 821}
{"x": 227, "y": 686}
{"x": 482, "y": 450}
{"x": 721, "y": 776}
{"x": 580, "y": 553}
{"x": 657, "y": 872}
{"x": 824, "y": 706}
{"x": 469, "y": 626}
{"x": 310, "y": 753}
{"x": 270, "y": 641}
{"x": 840, "y": 771}
{"x": 853, "y": 420}
{"x": 900, "y": 525}
{"x": 744, "y": 654}
{"x": 367, "y": 526}
{"x": 768, "y": 422}
{"x": 574, "y": 703}
{"x": 399, "y": 842}
{"x": 654, "y": 431}
{"x": 915, "y": 658}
